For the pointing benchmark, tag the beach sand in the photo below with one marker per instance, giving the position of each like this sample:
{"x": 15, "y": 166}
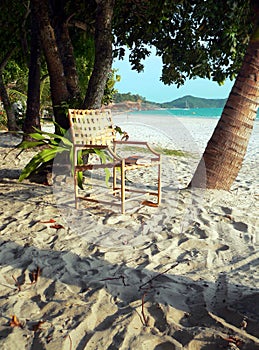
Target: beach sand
{"x": 181, "y": 276}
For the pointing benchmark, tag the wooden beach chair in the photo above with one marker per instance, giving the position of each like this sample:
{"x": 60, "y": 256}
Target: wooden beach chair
{"x": 93, "y": 129}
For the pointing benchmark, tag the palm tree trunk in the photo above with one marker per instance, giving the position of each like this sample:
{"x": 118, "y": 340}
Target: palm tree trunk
{"x": 103, "y": 54}
{"x": 32, "y": 118}
{"x": 65, "y": 47}
{"x": 227, "y": 147}
{"x": 58, "y": 86}
{"x": 11, "y": 121}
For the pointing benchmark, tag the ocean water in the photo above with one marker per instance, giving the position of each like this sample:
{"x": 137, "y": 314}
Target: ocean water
{"x": 190, "y": 112}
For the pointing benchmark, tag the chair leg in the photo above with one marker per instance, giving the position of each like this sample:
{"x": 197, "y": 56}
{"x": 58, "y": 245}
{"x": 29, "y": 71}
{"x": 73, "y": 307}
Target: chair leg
{"x": 122, "y": 188}
{"x": 114, "y": 180}
{"x": 159, "y": 185}
{"x": 75, "y": 189}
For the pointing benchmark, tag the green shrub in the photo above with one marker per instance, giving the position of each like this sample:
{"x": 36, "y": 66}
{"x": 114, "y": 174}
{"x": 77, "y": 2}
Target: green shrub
{"x": 53, "y": 144}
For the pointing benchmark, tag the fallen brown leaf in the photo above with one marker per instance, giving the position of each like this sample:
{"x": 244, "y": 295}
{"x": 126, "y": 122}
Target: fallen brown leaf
{"x": 150, "y": 204}
{"x": 57, "y": 226}
{"x": 15, "y": 322}
{"x": 234, "y": 340}
{"x": 50, "y": 221}
{"x": 37, "y": 326}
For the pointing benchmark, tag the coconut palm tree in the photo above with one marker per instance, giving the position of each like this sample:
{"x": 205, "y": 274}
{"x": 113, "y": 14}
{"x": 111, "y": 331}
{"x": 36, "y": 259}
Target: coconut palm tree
{"x": 227, "y": 147}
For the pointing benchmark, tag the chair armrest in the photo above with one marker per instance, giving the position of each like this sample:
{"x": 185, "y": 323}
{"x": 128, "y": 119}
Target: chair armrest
{"x": 138, "y": 143}
{"x": 100, "y": 147}
{"x": 81, "y": 147}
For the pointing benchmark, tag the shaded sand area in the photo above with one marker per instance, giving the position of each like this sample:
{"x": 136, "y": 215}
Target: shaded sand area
{"x": 181, "y": 276}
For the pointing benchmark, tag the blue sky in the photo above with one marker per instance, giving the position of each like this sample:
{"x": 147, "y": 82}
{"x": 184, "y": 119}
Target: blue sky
{"x": 148, "y": 84}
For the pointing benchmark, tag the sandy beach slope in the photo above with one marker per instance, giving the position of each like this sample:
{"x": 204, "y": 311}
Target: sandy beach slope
{"x": 181, "y": 276}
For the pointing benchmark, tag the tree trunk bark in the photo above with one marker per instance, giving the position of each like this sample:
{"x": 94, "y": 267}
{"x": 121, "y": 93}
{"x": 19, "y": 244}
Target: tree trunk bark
{"x": 67, "y": 57}
{"x": 32, "y": 118}
{"x": 103, "y": 54}
{"x": 227, "y": 147}
{"x": 58, "y": 86}
{"x": 11, "y": 121}
{"x": 66, "y": 50}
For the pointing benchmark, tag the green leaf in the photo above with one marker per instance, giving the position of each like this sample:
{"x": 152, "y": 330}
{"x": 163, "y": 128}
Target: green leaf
{"x": 59, "y": 148}
{"x": 102, "y": 155}
{"x": 30, "y": 144}
{"x": 29, "y": 168}
{"x": 80, "y": 180}
{"x": 41, "y": 157}
{"x": 62, "y": 130}
{"x": 107, "y": 176}
{"x": 37, "y": 136}
{"x": 59, "y": 137}
{"x": 55, "y": 142}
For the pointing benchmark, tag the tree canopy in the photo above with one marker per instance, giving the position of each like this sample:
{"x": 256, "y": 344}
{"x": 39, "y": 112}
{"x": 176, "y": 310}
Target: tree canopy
{"x": 199, "y": 38}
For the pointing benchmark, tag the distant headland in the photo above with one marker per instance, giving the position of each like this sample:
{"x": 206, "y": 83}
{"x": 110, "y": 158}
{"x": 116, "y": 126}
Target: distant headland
{"x": 129, "y": 101}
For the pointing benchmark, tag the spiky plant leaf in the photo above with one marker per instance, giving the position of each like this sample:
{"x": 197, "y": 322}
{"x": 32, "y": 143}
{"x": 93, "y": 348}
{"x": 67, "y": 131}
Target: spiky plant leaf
{"x": 31, "y": 144}
{"x": 42, "y": 157}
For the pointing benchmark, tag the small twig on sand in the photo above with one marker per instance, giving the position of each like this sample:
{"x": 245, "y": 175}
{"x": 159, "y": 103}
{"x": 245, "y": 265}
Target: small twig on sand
{"x": 116, "y": 278}
{"x": 71, "y": 344}
{"x": 17, "y": 283}
{"x": 162, "y": 273}
{"x": 12, "y": 150}
{"x": 70, "y": 341}
{"x": 142, "y": 310}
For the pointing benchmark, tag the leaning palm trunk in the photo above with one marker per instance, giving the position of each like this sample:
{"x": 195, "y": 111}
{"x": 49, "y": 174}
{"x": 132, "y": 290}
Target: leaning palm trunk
{"x": 227, "y": 147}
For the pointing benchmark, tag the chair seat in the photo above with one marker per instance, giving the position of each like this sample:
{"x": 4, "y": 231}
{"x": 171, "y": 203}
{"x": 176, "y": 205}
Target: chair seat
{"x": 151, "y": 163}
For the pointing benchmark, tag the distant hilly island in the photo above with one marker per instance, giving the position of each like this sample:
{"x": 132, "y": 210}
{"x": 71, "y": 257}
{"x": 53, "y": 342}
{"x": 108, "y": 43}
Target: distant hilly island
{"x": 194, "y": 102}
{"x": 129, "y": 101}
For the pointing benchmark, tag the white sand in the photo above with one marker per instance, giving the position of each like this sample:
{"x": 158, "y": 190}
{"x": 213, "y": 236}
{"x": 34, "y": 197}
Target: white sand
{"x": 190, "y": 134}
{"x": 183, "y": 276}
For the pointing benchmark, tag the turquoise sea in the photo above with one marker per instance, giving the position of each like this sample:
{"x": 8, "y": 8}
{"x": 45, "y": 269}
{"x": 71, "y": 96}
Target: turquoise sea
{"x": 190, "y": 113}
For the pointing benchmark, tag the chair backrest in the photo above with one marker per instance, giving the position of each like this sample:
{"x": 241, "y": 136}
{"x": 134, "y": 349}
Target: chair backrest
{"x": 91, "y": 127}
